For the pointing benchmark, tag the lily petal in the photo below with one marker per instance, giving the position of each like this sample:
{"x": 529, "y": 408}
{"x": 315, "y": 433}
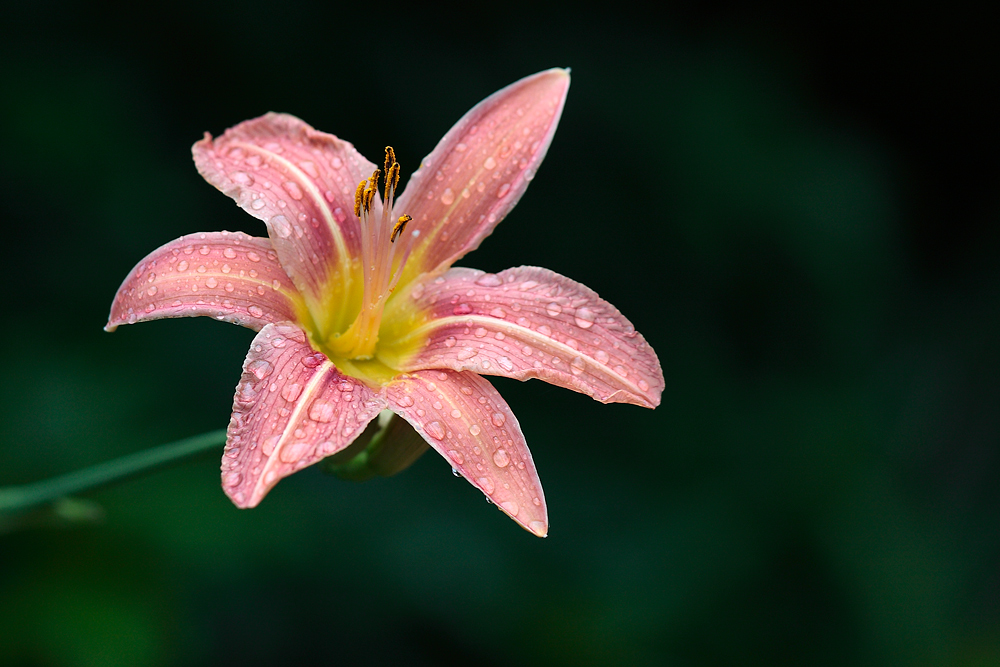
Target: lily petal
{"x": 523, "y": 323}
{"x": 226, "y": 275}
{"x": 292, "y": 408}
{"x": 301, "y": 183}
{"x": 466, "y": 420}
{"x": 480, "y": 169}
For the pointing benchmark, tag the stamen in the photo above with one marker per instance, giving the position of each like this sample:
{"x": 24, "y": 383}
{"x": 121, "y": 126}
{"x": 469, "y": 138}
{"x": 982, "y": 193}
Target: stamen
{"x": 382, "y": 260}
{"x": 400, "y": 226}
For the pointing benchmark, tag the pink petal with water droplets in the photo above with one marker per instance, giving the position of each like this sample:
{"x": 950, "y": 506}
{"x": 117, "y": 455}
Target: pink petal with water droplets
{"x": 529, "y": 322}
{"x": 292, "y": 408}
{"x": 466, "y": 420}
{"x": 480, "y": 169}
{"x": 226, "y": 275}
{"x": 301, "y": 183}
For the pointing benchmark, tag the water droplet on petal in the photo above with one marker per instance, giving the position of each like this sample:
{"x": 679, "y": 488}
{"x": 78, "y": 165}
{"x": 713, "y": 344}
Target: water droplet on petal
{"x": 293, "y": 452}
{"x": 252, "y": 256}
{"x": 290, "y": 392}
{"x": 182, "y": 266}
{"x": 510, "y": 507}
{"x": 501, "y": 458}
{"x": 490, "y": 163}
{"x": 584, "y": 318}
{"x": 505, "y": 363}
{"x": 232, "y": 478}
{"x": 489, "y": 280}
{"x": 256, "y": 311}
{"x": 260, "y": 368}
{"x": 475, "y": 429}
{"x": 281, "y": 226}
{"x": 486, "y": 483}
{"x": 447, "y": 197}
{"x": 450, "y": 341}
{"x": 267, "y": 448}
{"x": 503, "y": 190}
{"x": 405, "y": 401}
{"x": 322, "y": 411}
{"x": 643, "y": 385}
{"x": 577, "y": 365}
{"x": 602, "y": 356}
{"x": 293, "y": 189}
{"x": 553, "y": 309}
{"x": 152, "y": 290}
{"x": 435, "y": 430}
{"x": 462, "y": 309}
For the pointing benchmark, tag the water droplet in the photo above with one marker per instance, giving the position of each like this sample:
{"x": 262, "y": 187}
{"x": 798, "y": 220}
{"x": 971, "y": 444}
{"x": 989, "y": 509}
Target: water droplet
{"x": 490, "y": 163}
{"x": 449, "y": 341}
{"x": 290, "y": 392}
{"x": 577, "y": 366}
{"x": 293, "y": 189}
{"x": 489, "y": 280}
{"x": 431, "y": 387}
{"x": 503, "y": 190}
{"x": 501, "y": 458}
{"x": 322, "y": 411}
{"x": 293, "y": 452}
{"x": 256, "y": 311}
{"x": 584, "y": 317}
{"x": 456, "y": 414}
{"x": 498, "y": 313}
{"x": 252, "y": 256}
{"x": 242, "y": 178}
{"x": 480, "y": 332}
{"x": 602, "y": 356}
{"x": 405, "y": 401}
{"x": 211, "y": 283}
{"x": 281, "y": 226}
{"x": 456, "y": 456}
{"x": 229, "y": 253}
{"x": 258, "y": 204}
{"x": 435, "y": 430}
{"x": 455, "y": 473}
{"x": 621, "y": 370}
{"x": 260, "y": 368}
{"x": 475, "y": 429}
{"x": 545, "y": 330}
{"x": 643, "y": 385}
{"x": 437, "y": 405}
{"x": 313, "y": 360}
{"x": 510, "y": 507}
{"x": 505, "y": 363}
{"x": 462, "y": 309}
{"x": 553, "y": 309}
{"x": 461, "y": 148}
{"x": 232, "y": 478}
{"x": 447, "y": 197}
{"x": 267, "y": 448}
{"x": 182, "y": 266}
{"x": 465, "y": 353}
{"x": 498, "y": 419}
{"x": 152, "y": 290}
{"x": 486, "y": 483}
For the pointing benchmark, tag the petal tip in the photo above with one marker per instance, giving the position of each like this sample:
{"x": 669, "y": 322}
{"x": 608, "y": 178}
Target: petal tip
{"x": 110, "y": 328}
{"x": 539, "y": 528}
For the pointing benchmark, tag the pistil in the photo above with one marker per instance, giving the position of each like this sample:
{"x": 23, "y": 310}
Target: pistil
{"x": 382, "y": 240}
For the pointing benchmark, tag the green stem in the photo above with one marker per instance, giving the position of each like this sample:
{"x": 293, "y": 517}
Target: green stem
{"x": 20, "y": 498}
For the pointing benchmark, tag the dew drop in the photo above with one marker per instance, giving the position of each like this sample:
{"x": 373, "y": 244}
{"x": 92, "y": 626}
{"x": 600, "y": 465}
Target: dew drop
{"x": 435, "y": 430}
{"x": 621, "y": 370}
{"x": 293, "y": 189}
{"x": 602, "y": 356}
{"x": 232, "y": 478}
{"x": 577, "y": 365}
{"x": 501, "y": 458}
{"x": 510, "y": 507}
{"x": 456, "y": 456}
{"x": 490, "y": 163}
{"x": 260, "y": 368}
{"x": 151, "y": 291}
{"x": 405, "y": 401}
{"x": 475, "y": 429}
{"x": 450, "y": 341}
{"x": 503, "y": 190}
{"x": 480, "y": 332}
{"x": 256, "y": 311}
{"x": 498, "y": 419}
{"x": 643, "y": 385}
{"x": 322, "y": 411}
{"x": 553, "y": 309}
{"x": 486, "y": 483}
{"x": 498, "y": 313}
{"x": 465, "y": 353}
{"x": 489, "y": 280}
{"x": 258, "y": 204}
{"x": 447, "y": 197}
{"x": 281, "y": 226}
{"x": 229, "y": 253}
{"x": 267, "y": 448}
{"x": 584, "y": 317}
{"x": 293, "y": 452}
{"x": 211, "y": 283}
{"x": 182, "y": 266}
{"x": 462, "y": 309}
{"x": 290, "y": 392}
{"x": 252, "y": 256}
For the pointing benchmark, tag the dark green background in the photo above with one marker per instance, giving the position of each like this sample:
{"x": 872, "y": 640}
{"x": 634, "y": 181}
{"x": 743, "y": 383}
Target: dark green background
{"x": 798, "y": 210}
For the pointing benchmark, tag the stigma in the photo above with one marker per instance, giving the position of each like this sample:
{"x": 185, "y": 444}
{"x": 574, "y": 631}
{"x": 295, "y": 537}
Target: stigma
{"x": 384, "y": 251}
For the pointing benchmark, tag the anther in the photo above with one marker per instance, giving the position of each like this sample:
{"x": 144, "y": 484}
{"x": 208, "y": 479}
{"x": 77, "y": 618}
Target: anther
{"x": 400, "y": 226}
{"x": 390, "y": 158}
{"x": 359, "y": 196}
{"x": 392, "y": 177}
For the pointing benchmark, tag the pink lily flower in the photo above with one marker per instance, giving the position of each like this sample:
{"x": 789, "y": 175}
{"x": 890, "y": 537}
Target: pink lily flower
{"x": 358, "y": 309}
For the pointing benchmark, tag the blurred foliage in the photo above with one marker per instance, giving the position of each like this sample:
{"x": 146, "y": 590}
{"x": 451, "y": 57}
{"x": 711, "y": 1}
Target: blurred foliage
{"x": 798, "y": 210}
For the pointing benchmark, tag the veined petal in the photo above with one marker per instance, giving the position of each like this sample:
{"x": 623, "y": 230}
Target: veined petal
{"x": 480, "y": 169}
{"x": 301, "y": 183}
{"x": 466, "y": 420}
{"x": 523, "y": 323}
{"x": 292, "y": 408}
{"x": 226, "y": 275}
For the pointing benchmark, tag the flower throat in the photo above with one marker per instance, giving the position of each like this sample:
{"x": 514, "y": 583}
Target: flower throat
{"x": 382, "y": 260}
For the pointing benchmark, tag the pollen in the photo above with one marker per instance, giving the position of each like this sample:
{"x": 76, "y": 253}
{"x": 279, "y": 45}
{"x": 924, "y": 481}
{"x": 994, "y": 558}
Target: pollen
{"x": 400, "y": 226}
